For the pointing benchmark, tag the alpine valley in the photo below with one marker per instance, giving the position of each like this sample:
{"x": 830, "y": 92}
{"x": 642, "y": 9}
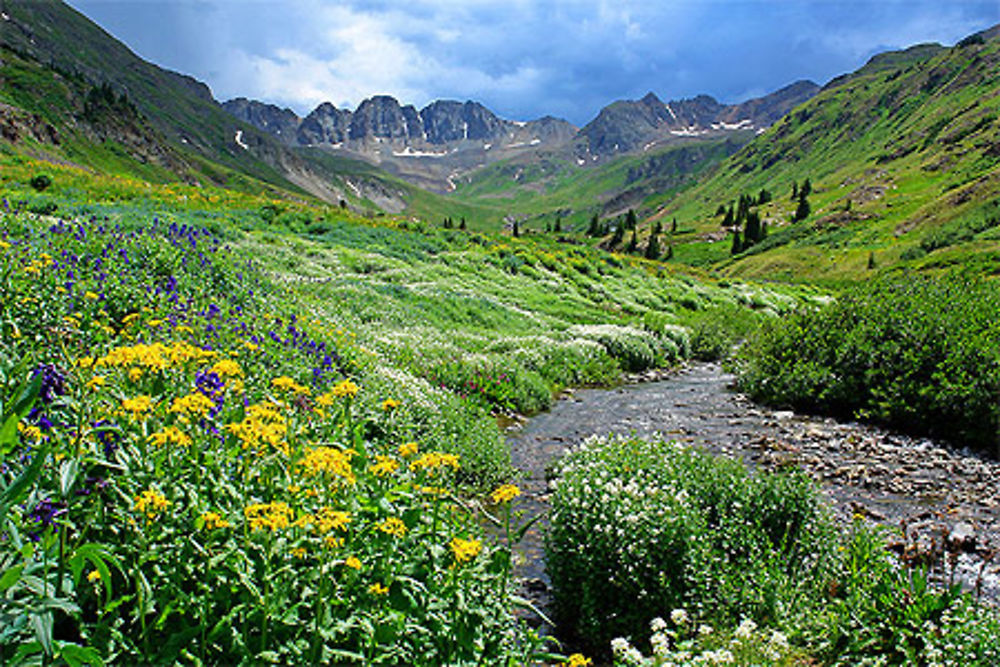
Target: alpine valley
{"x": 283, "y": 389}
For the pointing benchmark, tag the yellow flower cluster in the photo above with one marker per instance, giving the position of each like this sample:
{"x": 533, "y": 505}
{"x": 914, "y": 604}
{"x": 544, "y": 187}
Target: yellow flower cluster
{"x": 392, "y": 526}
{"x": 286, "y": 383}
{"x": 330, "y": 461}
{"x": 431, "y": 461}
{"x": 226, "y": 368}
{"x": 155, "y": 356}
{"x": 96, "y": 382}
{"x": 505, "y": 493}
{"x": 384, "y": 466}
{"x": 408, "y": 449}
{"x": 194, "y": 405}
{"x": 262, "y": 426}
{"x": 353, "y": 562}
{"x": 213, "y": 520}
{"x": 325, "y": 520}
{"x": 343, "y": 389}
{"x": 464, "y": 550}
{"x": 151, "y": 502}
{"x": 137, "y": 406}
{"x": 273, "y": 516}
{"x": 578, "y": 660}
{"x": 378, "y": 589}
{"x": 170, "y": 435}
{"x": 29, "y": 431}
{"x": 390, "y": 404}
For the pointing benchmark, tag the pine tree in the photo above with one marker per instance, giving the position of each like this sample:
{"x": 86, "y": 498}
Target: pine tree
{"x": 795, "y": 190}
{"x": 630, "y": 219}
{"x": 764, "y": 196}
{"x": 657, "y": 228}
{"x": 751, "y": 232}
{"x": 515, "y": 232}
{"x": 548, "y": 227}
{"x": 653, "y": 247}
{"x": 737, "y": 247}
{"x": 728, "y": 220}
{"x": 802, "y": 210}
{"x": 670, "y": 252}
{"x": 461, "y": 225}
{"x": 871, "y": 260}
{"x": 806, "y": 188}
{"x": 721, "y": 210}
{"x": 595, "y": 227}
{"x": 673, "y": 226}
{"x": 633, "y": 243}
{"x": 558, "y": 227}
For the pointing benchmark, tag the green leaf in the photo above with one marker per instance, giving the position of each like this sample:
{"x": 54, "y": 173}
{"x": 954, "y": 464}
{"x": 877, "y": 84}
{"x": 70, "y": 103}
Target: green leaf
{"x": 79, "y": 656}
{"x": 20, "y": 487}
{"x": 42, "y": 623}
{"x": 10, "y": 577}
{"x": 68, "y": 472}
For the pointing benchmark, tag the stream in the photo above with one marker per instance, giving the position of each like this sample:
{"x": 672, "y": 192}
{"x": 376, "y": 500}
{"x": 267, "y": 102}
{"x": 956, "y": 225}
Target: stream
{"x": 935, "y": 499}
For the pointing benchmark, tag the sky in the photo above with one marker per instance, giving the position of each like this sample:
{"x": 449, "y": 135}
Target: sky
{"x": 522, "y": 58}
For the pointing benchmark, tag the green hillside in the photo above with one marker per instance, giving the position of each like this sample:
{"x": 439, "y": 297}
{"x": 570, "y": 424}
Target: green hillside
{"x": 902, "y": 158}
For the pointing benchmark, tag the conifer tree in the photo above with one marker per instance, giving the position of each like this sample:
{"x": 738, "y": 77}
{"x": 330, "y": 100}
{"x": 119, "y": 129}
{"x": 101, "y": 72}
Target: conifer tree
{"x": 617, "y": 237}
{"x": 737, "y": 246}
{"x": 657, "y": 228}
{"x": 728, "y": 221}
{"x": 558, "y": 226}
{"x": 633, "y": 243}
{"x": 461, "y": 225}
{"x": 630, "y": 219}
{"x": 673, "y": 226}
{"x": 653, "y": 247}
{"x": 514, "y": 230}
{"x": 670, "y": 252}
{"x": 595, "y": 227}
{"x": 802, "y": 210}
{"x": 806, "y": 188}
{"x": 795, "y": 190}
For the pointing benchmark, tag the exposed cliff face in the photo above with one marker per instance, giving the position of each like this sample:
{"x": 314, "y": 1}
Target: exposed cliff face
{"x": 282, "y": 123}
{"x": 325, "y": 125}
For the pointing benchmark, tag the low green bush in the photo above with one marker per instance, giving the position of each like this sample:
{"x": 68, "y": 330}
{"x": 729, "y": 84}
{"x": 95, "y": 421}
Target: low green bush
{"x": 918, "y": 353}
{"x": 633, "y": 349}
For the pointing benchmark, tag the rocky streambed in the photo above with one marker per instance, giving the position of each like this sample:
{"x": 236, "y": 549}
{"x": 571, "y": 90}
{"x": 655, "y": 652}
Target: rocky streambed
{"x": 942, "y": 505}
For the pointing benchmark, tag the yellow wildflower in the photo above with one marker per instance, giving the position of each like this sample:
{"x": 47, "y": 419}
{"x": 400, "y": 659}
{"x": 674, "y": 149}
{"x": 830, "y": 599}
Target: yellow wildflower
{"x": 330, "y": 461}
{"x": 577, "y": 660}
{"x": 85, "y": 362}
{"x": 4, "y": 245}
{"x": 390, "y": 404}
{"x": 327, "y": 519}
{"x": 213, "y": 520}
{"x": 299, "y": 552}
{"x": 392, "y": 526}
{"x": 505, "y": 493}
{"x": 286, "y": 383}
{"x": 408, "y": 449}
{"x": 154, "y": 323}
{"x": 90, "y": 295}
{"x": 432, "y": 490}
{"x": 94, "y": 575}
{"x": 135, "y": 374}
{"x": 226, "y": 368}
{"x": 345, "y": 389}
{"x": 262, "y": 426}
{"x": 273, "y": 516}
{"x": 464, "y": 550}
{"x": 431, "y": 461}
{"x": 384, "y": 465}
{"x": 170, "y": 435}
{"x": 29, "y": 431}
{"x": 353, "y": 562}
{"x": 196, "y": 404}
{"x": 333, "y": 542}
{"x": 378, "y": 589}
{"x": 151, "y": 502}
{"x": 138, "y": 406}
{"x": 184, "y": 329}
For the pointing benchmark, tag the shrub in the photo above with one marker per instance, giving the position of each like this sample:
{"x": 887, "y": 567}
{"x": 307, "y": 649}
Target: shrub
{"x": 639, "y": 527}
{"x": 41, "y": 182}
{"x": 916, "y": 353}
{"x": 633, "y": 349}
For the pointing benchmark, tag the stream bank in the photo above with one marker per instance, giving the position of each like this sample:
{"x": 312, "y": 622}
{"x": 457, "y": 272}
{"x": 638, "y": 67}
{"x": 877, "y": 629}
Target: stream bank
{"x": 934, "y": 498}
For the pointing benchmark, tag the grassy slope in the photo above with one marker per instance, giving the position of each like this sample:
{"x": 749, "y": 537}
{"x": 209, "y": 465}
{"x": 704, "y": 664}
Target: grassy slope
{"x": 909, "y": 141}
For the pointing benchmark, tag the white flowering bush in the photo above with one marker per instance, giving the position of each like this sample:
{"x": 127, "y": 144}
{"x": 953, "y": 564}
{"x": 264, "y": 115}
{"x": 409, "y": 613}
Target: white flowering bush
{"x": 683, "y": 643}
{"x": 634, "y": 349}
{"x": 641, "y": 526}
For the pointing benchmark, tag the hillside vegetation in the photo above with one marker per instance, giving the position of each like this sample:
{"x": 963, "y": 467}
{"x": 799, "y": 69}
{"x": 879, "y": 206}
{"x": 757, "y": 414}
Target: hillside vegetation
{"x": 902, "y": 157}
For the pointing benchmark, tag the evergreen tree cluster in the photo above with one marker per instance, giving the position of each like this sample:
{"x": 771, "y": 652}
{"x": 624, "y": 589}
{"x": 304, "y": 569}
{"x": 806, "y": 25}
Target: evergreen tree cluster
{"x": 801, "y": 193}
{"x": 743, "y": 221}
{"x": 448, "y": 223}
